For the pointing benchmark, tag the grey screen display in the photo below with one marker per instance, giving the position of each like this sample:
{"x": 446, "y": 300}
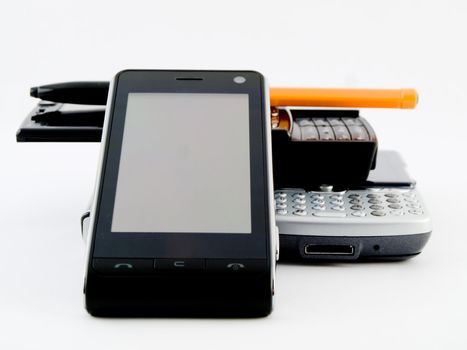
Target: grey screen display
{"x": 184, "y": 164}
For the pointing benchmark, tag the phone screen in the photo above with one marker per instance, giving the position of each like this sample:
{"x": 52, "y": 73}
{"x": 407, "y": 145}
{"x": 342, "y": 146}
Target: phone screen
{"x": 184, "y": 164}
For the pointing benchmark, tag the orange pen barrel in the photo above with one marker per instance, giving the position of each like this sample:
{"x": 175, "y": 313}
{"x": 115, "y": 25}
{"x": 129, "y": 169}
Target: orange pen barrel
{"x": 328, "y": 97}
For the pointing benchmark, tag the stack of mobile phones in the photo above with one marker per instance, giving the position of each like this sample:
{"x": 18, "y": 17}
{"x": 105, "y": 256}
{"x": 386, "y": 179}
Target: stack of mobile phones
{"x": 336, "y": 197}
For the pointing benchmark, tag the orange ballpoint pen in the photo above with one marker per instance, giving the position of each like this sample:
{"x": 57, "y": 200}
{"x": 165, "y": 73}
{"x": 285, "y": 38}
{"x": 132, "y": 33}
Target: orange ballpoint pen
{"x": 353, "y": 98}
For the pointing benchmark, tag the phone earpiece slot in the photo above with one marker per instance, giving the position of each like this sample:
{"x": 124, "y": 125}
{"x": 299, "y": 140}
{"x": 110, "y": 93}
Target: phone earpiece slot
{"x": 188, "y": 78}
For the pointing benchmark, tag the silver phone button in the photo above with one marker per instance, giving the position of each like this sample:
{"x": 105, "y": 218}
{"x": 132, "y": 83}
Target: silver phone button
{"x": 300, "y": 212}
{"x": 327, "y": 214}
{"x": 299, "y": 201}
{"x": 338, "y": 207}
{"x": 416, "y": 211}
{"x": 318, "y": 207}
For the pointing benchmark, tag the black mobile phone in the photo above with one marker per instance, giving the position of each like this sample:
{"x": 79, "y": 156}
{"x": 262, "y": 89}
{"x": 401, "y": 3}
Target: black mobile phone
{"x": 182, "y": 222}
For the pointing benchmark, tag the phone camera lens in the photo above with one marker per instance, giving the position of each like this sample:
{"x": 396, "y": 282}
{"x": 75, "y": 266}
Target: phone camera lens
{"x": 239, "y": 79}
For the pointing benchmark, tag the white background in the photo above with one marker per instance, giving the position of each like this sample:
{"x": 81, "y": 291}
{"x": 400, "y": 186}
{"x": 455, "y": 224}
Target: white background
{"x": 421, "y": 303}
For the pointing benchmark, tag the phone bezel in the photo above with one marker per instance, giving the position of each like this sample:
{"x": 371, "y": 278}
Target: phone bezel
{"x": 256, "y": 245}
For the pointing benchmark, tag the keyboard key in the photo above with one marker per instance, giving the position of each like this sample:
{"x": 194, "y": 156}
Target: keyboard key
{"x": 318, "y": 207}
{"x": 338, "y": 207}
{"x": 281, "y": 206}
{"x": 341, "y": 133}
{"x": 393, "y": 200}
{"x": 325, "y": 133}
{"x": 300, "y": 212}
{"x": 397, "y": 212}
{"x": 358, "y": 133}
{"x": 328, "y": 214}
{"x": 309, "y": 133}
{"x": 335, "y": 122}
{"x": 305, "y": 122}
{"x": 416, "y": 211}
{"x": 351, "y": 121}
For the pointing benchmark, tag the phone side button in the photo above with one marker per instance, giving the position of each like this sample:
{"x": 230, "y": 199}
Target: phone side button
{"x": 123, "y": 266}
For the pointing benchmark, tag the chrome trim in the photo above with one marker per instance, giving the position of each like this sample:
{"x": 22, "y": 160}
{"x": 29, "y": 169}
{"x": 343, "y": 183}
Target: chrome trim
{"x": 274, "y": 231}
{"x": 98, "y": 182}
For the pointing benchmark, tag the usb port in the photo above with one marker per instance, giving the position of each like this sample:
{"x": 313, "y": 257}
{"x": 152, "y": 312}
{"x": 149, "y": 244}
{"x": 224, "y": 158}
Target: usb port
{"x": 328, "y": 249}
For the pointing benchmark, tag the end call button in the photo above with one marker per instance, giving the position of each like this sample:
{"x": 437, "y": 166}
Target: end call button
{"x": 236, "y": 266}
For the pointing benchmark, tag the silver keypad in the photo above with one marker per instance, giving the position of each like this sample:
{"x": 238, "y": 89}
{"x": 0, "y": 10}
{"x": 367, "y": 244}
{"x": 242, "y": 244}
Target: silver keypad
{"x": 376, "y": 203}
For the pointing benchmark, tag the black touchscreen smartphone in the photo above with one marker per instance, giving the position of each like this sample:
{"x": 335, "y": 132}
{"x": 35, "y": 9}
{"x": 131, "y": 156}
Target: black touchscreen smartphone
{"x": 182, "y": 222}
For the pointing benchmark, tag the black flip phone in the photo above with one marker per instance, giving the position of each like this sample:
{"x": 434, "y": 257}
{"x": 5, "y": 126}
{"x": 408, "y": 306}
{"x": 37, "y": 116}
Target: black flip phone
{"x": 182, "y": 222}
